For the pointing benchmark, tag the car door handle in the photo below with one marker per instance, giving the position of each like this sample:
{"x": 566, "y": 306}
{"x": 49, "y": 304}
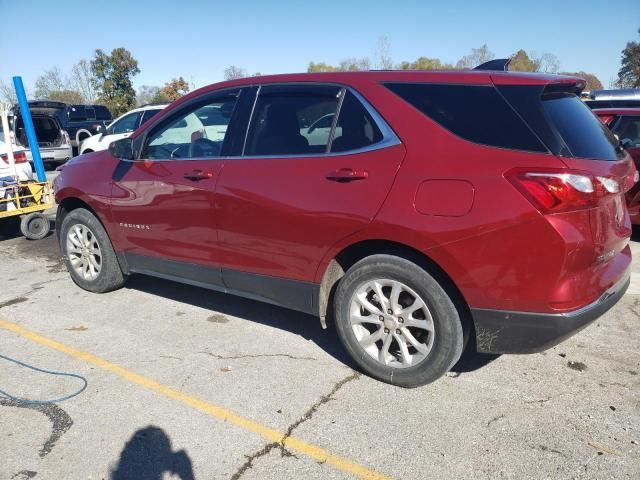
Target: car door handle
{"x": 196, "y": 175}
{"x": 347, "y": 175}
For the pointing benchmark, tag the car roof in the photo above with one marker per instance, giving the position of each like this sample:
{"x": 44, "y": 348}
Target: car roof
{"x": 149, "y": 106}
{"x": 617, "y": 111}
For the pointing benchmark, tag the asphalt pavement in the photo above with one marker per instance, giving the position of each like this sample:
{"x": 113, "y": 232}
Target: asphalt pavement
{"x": 187, "y": 383}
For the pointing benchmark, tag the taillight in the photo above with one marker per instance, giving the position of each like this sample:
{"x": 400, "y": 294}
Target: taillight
{"x": 18, "y": 157}
{"x": 562, "y": 190}
{"x": 65, "y": 137}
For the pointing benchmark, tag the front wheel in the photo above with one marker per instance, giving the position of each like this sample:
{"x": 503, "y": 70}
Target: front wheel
{"x": 397, "y": 322}
{"x": 88, "y": 253}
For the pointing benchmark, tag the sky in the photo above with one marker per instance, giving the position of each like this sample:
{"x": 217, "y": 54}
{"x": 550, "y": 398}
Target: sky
{"x": 198, "y": 39}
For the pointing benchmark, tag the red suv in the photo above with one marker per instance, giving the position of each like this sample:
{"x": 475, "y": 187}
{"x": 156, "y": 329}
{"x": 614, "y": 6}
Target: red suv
{"x": 417, "y": 209}
{"x": 625, "y": 123}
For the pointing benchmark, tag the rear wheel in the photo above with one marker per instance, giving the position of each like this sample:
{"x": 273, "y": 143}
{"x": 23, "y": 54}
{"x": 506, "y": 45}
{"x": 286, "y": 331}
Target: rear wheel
{"x": 397, "y": 322}
{"x": 35, "y": 226}
{"x": 88, "y": 253}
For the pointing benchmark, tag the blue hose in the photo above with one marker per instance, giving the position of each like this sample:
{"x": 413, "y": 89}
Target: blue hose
{"x": 43, "y": 402}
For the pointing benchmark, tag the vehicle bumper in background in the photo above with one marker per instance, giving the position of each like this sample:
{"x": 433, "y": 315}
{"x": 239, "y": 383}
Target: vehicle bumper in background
{"x": 58, "y": 154}
{"x": 500, "y": 331}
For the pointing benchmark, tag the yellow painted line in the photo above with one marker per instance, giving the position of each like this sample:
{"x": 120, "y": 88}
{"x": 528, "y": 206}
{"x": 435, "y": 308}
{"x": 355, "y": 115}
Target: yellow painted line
{"x": 316, "y": 453}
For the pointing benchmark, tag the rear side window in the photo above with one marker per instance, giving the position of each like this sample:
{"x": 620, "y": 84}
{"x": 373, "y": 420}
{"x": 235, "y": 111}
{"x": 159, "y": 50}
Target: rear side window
{"x": 584, "y": 135}
{"x": 102, "y": 112}
{"x": 91, "y": 113}
{"x": 355, "y": 128}
{"x": 628, "y": 127}
{"x": 477, "y": 113}
{"x": 148, "y": 114}
{"x": 291, "y": 120}
{"x": 126, "y": 124}
{"x": 77, "y": 113}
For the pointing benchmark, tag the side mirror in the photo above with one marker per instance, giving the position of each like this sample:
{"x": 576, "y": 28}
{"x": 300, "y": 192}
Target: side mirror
{"x": 122, "y": 149}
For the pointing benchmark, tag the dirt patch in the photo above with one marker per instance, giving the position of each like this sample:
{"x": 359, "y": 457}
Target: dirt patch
{"x": 217, "y": 318}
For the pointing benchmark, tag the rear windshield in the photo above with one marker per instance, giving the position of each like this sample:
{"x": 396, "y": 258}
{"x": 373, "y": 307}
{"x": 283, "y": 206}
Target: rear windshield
{"x": 584, "y": 135}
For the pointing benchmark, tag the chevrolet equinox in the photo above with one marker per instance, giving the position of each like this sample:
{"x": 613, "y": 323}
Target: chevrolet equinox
{"x": 417, "y": 210}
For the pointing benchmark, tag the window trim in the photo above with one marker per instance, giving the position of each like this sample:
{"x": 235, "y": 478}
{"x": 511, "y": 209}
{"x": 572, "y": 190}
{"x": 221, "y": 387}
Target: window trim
{"x": 389, "y": 137}
{"x": 130, "y": 114}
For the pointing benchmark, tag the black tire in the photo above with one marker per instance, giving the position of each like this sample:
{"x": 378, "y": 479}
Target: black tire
{"x": 448, "y": 337}
{"x": 35, "y": 226}
{"x": 110, "y": 276}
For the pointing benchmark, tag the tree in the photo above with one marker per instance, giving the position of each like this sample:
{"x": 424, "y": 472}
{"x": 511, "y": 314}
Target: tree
{"x": 521, "y": 62}
{"x": 83, "y": 81}
{"x": 147, "y": 94}
{"x": 478, "y": 56}
{"x": 7, "y": 93}
{"x": 50, "y": 81}
{"x": 232, "y": 72}
{"x": 320, "y": 67}
{"x": 174, "y": 89}
{"x": 629, "y": 73}
{"x": 113, "y": 74}
{"x": 382, "y": 57}
{"x": 425, "y": 63}
{"x": 593, "y": 82}
{"x": 548, "y": 63}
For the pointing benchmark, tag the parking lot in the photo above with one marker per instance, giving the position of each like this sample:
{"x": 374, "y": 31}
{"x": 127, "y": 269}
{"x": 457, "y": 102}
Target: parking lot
{"x": 188, "y": 383}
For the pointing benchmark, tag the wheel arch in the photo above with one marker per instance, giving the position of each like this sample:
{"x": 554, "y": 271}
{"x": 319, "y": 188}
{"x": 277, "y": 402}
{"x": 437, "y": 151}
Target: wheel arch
{"x": 357, "y": 251}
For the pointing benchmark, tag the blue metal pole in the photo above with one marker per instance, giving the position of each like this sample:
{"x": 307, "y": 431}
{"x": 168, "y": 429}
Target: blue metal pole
{"x": 29, "y": 130}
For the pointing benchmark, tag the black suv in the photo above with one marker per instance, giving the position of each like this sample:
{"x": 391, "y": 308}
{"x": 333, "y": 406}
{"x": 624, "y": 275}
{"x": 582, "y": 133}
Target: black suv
{"x": 79, "y": 121}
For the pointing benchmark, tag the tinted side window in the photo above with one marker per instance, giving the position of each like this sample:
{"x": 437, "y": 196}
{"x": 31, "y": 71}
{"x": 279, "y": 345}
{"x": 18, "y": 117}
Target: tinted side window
{"x": 355, "y": 128}
{"x": 77, "y": 113}
{"x": 287, "y": 120}
{"x": 582, "y": 132}
{"x": 148, "y": 114}
{"x": 102, "y": 112}
{"x": 474, "y": 112}
{"x": 90, "y": 112}
{"x": 186, "y": 136}
{"x": 628, "y": 127}
{"x": 126, "y": 124}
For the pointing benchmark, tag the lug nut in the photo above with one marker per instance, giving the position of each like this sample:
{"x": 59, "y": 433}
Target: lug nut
{"x": 398, "y": 332}
{"x": 381, "y": 318}
{"x": 386, "y": 330}
{"x": 401, "y": 320}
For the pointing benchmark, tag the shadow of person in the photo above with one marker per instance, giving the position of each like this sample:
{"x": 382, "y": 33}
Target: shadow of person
{"x": 148, "y": 455}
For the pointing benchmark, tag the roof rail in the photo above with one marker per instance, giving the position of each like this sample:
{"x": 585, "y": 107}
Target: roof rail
{"x": 499, "y": 64}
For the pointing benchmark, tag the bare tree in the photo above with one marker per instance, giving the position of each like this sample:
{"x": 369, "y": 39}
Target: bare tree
{"x": 232, "y": 72}
{"x": 7, "y": 93}
{"x": 83, "y": 81}
{"x": 547, "y": 62}
{"x": 382, "y": 56}
{"x": 353, "y": 64}
{"x": 478, "y": 56}
{"x": 50, "y": 81}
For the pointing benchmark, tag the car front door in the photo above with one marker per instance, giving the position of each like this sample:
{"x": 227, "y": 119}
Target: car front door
{"x": 293, "y": 193}
{"x": 163, "y": 203}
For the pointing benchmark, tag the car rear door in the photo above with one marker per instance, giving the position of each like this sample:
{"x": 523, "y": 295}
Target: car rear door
{"x": 291, "y": 196}
{"x": 163, "y": 203}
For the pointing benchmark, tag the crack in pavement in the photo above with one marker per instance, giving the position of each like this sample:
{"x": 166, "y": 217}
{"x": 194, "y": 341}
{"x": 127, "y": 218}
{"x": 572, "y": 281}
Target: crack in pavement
{"x": 237, "y": 357}
{"x": 305, "y": 417}
{"x": 24, "y": 297}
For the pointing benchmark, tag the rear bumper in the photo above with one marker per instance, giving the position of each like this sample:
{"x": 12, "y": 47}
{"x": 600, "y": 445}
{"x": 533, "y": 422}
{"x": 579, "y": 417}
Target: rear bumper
{"x": 57, "y": 154}
{"x": 500, "y": 331}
